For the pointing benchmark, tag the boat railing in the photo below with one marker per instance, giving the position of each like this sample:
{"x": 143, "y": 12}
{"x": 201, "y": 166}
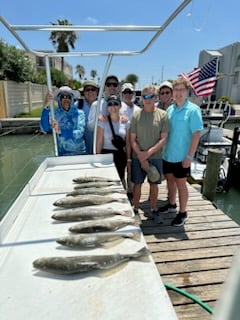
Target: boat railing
{"x": 14, "y": 29}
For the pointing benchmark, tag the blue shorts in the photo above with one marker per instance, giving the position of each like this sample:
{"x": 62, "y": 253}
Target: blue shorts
{"x": 138, "y": 175}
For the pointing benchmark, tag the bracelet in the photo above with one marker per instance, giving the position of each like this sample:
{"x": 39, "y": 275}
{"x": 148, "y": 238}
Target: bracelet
{"x": 190, "y": 157}
{"x": 129, "y": 160}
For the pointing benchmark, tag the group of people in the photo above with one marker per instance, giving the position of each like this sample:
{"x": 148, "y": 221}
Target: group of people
{"x": 162, "y": 135}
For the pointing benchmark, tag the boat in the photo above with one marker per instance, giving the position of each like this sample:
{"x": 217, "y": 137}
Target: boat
{"x": 213, "y": 137}
{"x": 27, "y": 231}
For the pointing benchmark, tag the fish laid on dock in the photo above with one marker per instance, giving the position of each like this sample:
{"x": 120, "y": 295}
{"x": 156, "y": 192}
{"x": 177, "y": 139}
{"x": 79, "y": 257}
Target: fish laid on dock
{"x": 102, "y": 225}
{"x": 98, "y": 191}
{"x": 98, "y": 184}
{"x": 94, "y": 179}
{"x": 87, "y": 200}
{"x": 88, "y": 213}
{"x": 86, "y": 263}
{"x": 87, "y": 240}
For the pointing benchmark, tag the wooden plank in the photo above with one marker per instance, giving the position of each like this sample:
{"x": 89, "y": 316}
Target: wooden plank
{"x": 195, "y": 257}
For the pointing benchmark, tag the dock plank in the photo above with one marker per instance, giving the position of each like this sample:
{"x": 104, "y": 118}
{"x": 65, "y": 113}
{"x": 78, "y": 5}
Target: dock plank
{"x": 195, "y": 257}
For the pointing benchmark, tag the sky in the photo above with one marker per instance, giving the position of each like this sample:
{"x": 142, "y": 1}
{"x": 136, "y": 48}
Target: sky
{"x": 201, "y": 25}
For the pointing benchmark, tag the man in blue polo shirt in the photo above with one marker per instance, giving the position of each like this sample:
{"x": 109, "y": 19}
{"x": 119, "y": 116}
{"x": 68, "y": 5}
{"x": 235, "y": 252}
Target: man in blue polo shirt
{"x": 185, "y": 126}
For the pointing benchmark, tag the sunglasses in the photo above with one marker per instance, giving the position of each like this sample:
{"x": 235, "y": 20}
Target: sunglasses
{"x": 90, "y": 89}
{"x": 148, "y": 96}
{"x": 66, "y": 96}
{"x": 164, "y": 92}
{"x": 112, "y": 84}
{"x": 113, "y": 104}
{"x": 128, "y": 91}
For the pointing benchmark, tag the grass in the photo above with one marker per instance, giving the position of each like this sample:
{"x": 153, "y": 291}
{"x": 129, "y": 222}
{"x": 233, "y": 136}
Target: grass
{"x": 36, "y": 113}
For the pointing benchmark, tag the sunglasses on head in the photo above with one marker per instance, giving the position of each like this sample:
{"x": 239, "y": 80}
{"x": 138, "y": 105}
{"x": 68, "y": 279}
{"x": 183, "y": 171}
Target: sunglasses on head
{"x": 112, "y": 84}
{"x": 66, "y": 96}
{"x": 90, "y": 89}
{"x": 148, "y": 96}
{"x": 128, "y": 91}
{"x": 164, "y": 92}
{"x": 113, "y": 104}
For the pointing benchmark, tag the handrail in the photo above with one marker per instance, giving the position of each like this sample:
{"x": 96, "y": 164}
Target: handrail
{"x": 158, "y": 29}
{"x": 109, "y": 54}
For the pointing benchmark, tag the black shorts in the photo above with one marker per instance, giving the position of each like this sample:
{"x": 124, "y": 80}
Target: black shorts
{"x": 176, "y": 169}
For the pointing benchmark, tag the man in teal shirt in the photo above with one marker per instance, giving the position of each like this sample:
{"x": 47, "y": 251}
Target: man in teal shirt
{"x": 185, "y": 126}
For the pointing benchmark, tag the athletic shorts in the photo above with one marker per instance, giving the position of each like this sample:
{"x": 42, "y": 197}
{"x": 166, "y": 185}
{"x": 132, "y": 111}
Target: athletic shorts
{"x": 138, "y": 175}
{"x": 176, "y": 169}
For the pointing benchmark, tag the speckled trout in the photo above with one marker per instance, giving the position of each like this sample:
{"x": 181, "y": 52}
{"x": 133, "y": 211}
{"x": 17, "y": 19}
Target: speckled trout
{"x": 88, "y": 213}
{"x": 98, "y": 184}
{"x": 96, "y": 239}
{"x": 85, "y": 263}
{"x": 94, "y": 179}
{"x": 98, "y": 191}
{"x": 87, "y": 200}
{"x": 102, "y": 225}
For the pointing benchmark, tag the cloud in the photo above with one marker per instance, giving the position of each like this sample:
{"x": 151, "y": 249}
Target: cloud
{"x": 91, "y": 20}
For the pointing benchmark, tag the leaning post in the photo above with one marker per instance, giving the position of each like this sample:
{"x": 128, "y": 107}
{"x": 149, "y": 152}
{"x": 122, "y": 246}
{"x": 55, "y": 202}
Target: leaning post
{"x": 210, "y": 181}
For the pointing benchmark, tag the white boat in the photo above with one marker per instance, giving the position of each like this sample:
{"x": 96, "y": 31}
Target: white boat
{"x": 28, "y": 232}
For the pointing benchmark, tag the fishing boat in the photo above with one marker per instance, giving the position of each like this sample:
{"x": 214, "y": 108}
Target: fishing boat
{"x": 214, "y": 136}
{"x": 27, "y": 231}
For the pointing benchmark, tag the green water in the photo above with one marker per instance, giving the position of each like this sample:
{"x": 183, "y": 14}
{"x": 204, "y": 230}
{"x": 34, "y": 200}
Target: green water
{"x": 20, "y": 156}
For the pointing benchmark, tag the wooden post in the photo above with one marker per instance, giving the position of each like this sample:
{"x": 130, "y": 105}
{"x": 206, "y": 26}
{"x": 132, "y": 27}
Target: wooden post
{"x": 210, "y": 181}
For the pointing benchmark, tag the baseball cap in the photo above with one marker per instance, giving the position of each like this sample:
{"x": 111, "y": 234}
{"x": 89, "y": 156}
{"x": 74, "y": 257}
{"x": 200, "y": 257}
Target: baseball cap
{"x": 153, "y": 174}
{"x": 89, "y": 83}
{"x": 166, "y": 84}
{"x": 128, "y": 86}
{"x": 64, "y": 90}
{"x": 112, "y": 77}
{"x": 113, "y": 98}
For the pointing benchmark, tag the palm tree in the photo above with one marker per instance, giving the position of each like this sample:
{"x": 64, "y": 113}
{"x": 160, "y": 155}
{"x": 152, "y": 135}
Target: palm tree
{"x": 80, "y": 70}
{"x": 63, "y": 40}
{"x": 132, "y": 78}
{"x": 93, "y": 74}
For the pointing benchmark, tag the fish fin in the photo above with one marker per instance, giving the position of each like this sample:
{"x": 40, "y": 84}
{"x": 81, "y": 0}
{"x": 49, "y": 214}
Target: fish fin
{"x": 138, "y": 220}
{"x": 141, "y": 252}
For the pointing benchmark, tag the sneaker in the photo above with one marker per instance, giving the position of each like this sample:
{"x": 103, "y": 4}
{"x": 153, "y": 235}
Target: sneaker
{"x": 168, "y": 208}
{"x": 135, "y": 210}
{"x": 158, "y": 218}
{"x": 180, "y": 219}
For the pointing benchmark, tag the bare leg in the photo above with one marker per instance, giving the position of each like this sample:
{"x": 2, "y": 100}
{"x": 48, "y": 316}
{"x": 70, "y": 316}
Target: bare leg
{"x": 153, "y": 195}
{"x": 182, "y": 193}
{"x": 136, "y": 194}
{"x": 172, "y": 188}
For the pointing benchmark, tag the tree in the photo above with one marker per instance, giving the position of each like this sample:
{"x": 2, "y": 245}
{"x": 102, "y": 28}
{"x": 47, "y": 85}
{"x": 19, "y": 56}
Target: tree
{"x": 93, "y": 74}
{"x": 14, "y": 65}
{"x": 132, "y": 78}
{"x": 63, "y": 40}
{"x": 80, "y": 71}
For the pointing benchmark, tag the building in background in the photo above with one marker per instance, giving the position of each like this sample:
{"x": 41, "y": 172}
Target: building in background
{"x": 228, "y": 83}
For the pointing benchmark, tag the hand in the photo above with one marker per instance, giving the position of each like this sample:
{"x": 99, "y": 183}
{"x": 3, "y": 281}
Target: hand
{"x": 55, "y": 126}
{"x": 186, "y": 163}
{"x": 143, "y": 155}
{"x": 48, "y": 98}
{"x": 145, "y": 165}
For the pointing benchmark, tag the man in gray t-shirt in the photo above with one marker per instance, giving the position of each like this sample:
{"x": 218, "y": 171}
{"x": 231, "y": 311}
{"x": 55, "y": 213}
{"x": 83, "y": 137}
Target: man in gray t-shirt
{"x": 148, "y": 134}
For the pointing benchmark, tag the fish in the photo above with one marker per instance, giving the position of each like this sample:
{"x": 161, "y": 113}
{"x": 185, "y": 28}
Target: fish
{"x": 95, "y": 239}
{"x": 98, "y": 191}
{"x": 85, "y": 263}
{"x": 102, "y": 225}
{"x": 88, "y": 213}
{"x": 100, "y": 184}
{"x": 87, "y": 200}
{"x": 94, "y": 179}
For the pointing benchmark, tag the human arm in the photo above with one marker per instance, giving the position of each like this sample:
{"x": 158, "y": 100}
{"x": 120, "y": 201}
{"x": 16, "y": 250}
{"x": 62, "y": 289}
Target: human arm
{"x": 100, "y": 137}
{"x": 192, "y": 149}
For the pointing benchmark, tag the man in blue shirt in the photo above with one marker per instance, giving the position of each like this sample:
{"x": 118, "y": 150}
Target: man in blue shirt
{"x": 185, "y": 126}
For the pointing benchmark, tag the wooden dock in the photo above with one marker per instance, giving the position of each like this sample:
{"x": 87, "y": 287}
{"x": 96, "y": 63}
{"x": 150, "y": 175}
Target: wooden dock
{"x": 196, "y": 257}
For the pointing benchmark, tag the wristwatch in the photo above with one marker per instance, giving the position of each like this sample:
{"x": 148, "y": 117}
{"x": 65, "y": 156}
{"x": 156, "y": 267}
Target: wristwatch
{"x": 190, "y": 157}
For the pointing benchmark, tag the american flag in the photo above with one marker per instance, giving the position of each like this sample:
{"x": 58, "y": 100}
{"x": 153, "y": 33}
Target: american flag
{"x": 203, "y": 78}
